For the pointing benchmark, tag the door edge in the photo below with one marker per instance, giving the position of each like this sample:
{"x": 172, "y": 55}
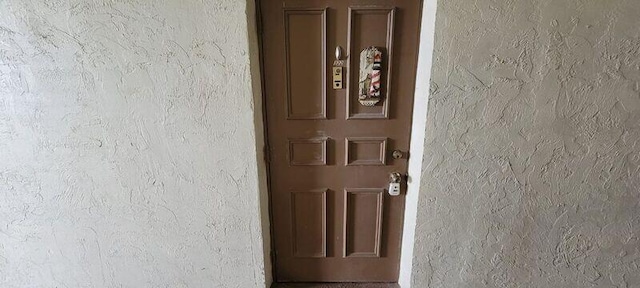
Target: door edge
{"x": 254, "y": 39}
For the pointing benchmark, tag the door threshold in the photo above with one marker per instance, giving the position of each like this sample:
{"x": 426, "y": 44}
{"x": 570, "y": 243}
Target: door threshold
{"x": 335, "y": 285}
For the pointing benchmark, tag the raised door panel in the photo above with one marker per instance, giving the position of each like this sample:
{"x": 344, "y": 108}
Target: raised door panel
{"x": 308, "y": 152}
{"x": 305, "y": 48}
{"x": 309, "y": 216}
{"x": 370, "y": 26}
{"x": 365, "y": 151}
{"x": 363, "y": 222}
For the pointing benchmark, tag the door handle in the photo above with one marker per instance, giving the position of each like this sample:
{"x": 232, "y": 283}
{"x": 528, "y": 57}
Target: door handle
{"x": 394, "y": 183}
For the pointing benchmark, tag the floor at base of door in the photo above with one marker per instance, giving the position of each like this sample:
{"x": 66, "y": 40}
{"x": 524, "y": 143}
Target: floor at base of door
{"x": 335, "y": 285}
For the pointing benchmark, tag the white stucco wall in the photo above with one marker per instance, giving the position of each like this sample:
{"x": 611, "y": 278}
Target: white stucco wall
{"x": 128, "y": 145}
{"x": 532, "y": 154}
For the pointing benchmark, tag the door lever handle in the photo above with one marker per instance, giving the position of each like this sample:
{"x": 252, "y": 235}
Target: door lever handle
{"x": 395, "y": 177}
{"x": 394, "y": 183}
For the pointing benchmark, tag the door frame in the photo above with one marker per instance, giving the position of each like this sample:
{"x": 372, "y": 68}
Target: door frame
{"x": 417, "y": 137}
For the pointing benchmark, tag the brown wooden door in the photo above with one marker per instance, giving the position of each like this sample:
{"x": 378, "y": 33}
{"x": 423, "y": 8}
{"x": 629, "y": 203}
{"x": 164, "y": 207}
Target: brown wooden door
{"x": 329, "y": 156}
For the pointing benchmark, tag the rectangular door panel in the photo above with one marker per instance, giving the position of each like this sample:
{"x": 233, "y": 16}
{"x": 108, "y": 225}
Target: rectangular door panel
{"x": 308, "y": 152}
{"x": 309, "y": 210}
{"x": 363, "y": 222}
{"x": 365, "y": 151}
{"x": 369, "y": 26}
{"x": 305, "y": 36}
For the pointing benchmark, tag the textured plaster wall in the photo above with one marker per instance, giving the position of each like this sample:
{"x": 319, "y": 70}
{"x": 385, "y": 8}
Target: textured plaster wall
{"x": 127, "y": 145}
{"x": 532, "y": 154}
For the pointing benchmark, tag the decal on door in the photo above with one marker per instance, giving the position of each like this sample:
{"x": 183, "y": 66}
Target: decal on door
{"x": 369, "y": 81}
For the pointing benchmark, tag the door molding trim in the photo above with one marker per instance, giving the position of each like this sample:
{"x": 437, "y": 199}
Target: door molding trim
{"x": 418, "y": 129}
{"x": 254, "y": 41}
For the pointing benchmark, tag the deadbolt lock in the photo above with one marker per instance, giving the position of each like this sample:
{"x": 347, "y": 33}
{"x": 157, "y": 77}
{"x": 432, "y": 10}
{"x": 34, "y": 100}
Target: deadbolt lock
{"x": 397, "y": 154}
